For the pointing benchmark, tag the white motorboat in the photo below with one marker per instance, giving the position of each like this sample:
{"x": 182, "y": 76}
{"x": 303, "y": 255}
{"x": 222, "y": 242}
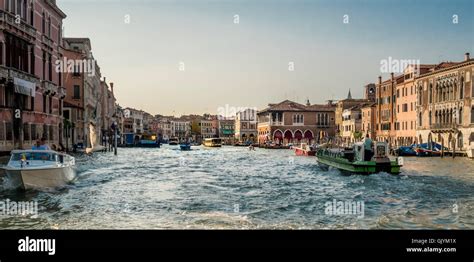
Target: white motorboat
{"x": 39, "y": 169}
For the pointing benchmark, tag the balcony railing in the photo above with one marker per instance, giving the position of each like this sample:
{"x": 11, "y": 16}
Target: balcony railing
{"x": 10, "y": 73}
{"x": 444, "y": 126}
{"x": 10, "y": 19}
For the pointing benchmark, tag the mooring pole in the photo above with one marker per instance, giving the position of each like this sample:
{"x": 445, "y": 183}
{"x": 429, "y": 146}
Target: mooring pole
{"x": 115, "y": 138}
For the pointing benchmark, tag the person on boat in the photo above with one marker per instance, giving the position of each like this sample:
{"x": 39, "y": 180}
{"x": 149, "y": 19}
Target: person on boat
{"x": 37, "y": 145}
{"x": 43, "y": 145}
{"x": 368, "y": 148}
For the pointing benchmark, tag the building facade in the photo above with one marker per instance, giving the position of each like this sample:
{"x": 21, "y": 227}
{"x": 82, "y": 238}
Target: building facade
{"x": 31, "y": 90}
{"x": 246, "y": 126}
{"x": 445, "y": 109}
{"x": 351, "y": 125}
{"x": 290, "y": 122}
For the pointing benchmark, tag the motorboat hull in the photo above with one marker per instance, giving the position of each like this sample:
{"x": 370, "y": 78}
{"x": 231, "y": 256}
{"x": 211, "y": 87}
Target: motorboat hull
{"x": 28, "y": 179}
{"x": 302, "y": 152}
{"x": 360, "y": 167}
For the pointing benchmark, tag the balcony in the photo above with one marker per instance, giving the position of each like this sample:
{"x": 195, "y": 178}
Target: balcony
{"x": 11, "y": 73}
{"x": 9, "y": 19}
{"x": 276, "y": 123}
{"x": 49, "y": 87}
{"x": 443, "y": 127}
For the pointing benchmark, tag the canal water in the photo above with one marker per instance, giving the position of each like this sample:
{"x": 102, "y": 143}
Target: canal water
{"x": 234, "y": 188}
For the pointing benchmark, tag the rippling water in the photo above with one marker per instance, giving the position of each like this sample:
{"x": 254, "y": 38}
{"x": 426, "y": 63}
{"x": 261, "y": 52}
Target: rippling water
{"x": 234, "y": 188}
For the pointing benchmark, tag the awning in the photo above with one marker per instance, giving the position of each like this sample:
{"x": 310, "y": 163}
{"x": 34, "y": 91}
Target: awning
{"x": 24, "y": 87}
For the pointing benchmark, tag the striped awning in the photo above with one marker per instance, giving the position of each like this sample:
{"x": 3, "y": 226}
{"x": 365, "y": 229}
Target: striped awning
{"x": 24, "y": 87}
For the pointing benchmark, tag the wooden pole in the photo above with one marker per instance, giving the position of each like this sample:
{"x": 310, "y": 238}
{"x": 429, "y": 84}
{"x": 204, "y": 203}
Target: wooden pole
{"x": 454, "y": 148}
{"x": 442, "y": 147}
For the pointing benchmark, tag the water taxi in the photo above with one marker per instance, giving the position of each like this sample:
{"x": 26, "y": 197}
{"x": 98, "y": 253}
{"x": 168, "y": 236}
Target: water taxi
{"x": 39, "y": 169}
{"x": 354, "y": 159}
{"x": 149, "y": 140}
{"x": 305, "y": 150}
{"x": 212, "y": 142}
{"x": 174, "y": 141}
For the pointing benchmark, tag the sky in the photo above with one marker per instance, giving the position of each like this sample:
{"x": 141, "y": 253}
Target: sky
{"x": 277, "y": 50}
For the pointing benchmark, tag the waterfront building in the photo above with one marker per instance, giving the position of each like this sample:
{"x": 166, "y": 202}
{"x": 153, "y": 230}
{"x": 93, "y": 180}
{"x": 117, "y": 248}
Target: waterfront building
{"x": 386, "y": 108}
{"x": 108, "y": 108}
{"x": 445, "y": 109}
{"x": 226, "y": 130}
{"x": 180, "y": 128}
{"x": 348, "y": 103}
{"x": 74, "y": 101}
{"x": 291, "y": 122}
{"x": 246, "y": 126}
{"x": 209, "y": 127}
{"x": 133, "y": 122}
{"x": 352, "y": 125}
{"x": 405, "y": 115}
{"x": 164, "y": 127}
{"x": 31, "y": 91}
{"x": 92, "y": 90}
{"x": 368, "y": 119}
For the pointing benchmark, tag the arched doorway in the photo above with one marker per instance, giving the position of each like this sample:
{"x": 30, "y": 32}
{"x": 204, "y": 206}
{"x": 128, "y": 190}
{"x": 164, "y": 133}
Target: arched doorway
{"x": 278, "y": 137}
{"x": 298, "y": 136}
{"x": 308, "y": 135}
{"x": 288, "y": 136}
{"x": 252, "y": 138}
{"x": 244, "y": 138}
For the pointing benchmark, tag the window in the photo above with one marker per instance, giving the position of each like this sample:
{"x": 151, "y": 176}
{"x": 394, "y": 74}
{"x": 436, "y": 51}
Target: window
{"x": 32, "y": 12}
{"x": 50, "y": 68}
{"x": 298, "y": 119}
{"x": 26, "y": 131}
{"x": 472, "y": 115}
{"x": 43, "y": 23}
{"x": 44, "y": 103}
{"x": 49, "y": 27}
{"x": 34, "y": 136}
{"x": 50, "y": 104}
{"x": 460, "y": 116}
{"x": 405, "y": 108}
{"x": 461, "y": 88}
{"x": 9, "y": 131}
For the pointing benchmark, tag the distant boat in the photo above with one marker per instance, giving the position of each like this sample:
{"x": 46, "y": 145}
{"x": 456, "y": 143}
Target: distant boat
{"x": 405, "y": 151}
{"x": 353, "y": 159}
{"x": 173, "y": 141}
{"x": 40, "y": 169}
{"x": 213, "y": 142}
{"x": 149, "y": 140}
{"x": 429, "y": 149}
{"x": 304, "y": 150}
{"x": 185, "y": 146}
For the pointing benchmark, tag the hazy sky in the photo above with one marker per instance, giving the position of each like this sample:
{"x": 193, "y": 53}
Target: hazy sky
{"x": 246, "y": 64}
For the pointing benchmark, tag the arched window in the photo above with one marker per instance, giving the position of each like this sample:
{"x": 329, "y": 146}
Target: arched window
{"x": 420, "y": 89}
{"x": 430, "y": 97}
{"x": 429, "y": 117}
{"x": 32, "y": 12}
{"x": 420, "y": 123}
{"x": 43, "y": 23}
{"x": 460, "y": 116}
{"x": 461, "y": 88}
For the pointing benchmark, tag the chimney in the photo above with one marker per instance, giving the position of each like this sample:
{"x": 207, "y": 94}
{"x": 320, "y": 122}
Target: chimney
{"x": 392, "y": 75}
{"x": 112, "y": 87}
{"x": 466, "y": 56}
{"x": 380, "y": 80}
